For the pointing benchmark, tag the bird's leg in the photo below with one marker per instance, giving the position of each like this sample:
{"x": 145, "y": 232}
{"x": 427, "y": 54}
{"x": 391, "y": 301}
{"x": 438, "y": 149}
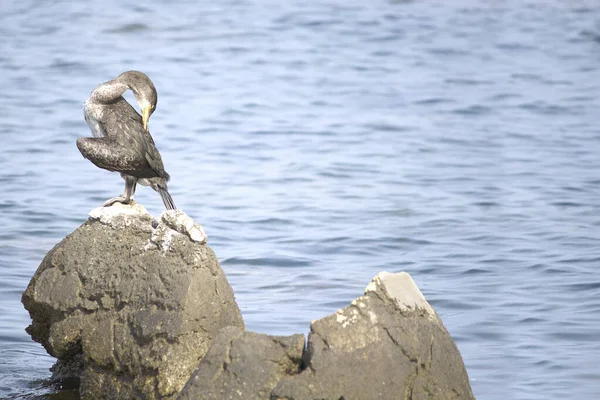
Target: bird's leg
{"x": 127, "y": 196}
{"x": 130, "y": 184}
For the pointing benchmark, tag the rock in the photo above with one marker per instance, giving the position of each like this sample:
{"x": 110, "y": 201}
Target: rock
{"x": 131, "y": 306}
{"x": 388, "y": 344}
{"x": 244, "y": 365}
{"x": 180, "y": 222}
{"x": 138, "y": 300}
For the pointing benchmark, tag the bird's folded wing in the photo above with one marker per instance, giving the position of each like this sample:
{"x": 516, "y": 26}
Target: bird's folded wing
{"x": 109, "y": 154}
{"x": 130, "y": 133}
{"x": 155, "y": 161}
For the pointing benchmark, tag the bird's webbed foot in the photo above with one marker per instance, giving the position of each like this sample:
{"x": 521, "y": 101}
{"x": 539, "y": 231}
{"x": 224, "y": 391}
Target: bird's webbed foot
{"x": 119, "y": 199}
{"x": 127, "y": 196}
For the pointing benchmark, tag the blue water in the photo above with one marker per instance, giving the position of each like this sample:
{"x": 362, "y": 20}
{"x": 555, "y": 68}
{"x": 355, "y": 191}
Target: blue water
{"x": 322, "y": 142}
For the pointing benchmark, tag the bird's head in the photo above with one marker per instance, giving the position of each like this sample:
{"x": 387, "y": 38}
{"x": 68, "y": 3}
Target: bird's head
{"x": 144, "y": 91}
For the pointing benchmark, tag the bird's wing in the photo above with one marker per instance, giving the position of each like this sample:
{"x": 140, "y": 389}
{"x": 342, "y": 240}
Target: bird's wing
{"x": 108, "y": 154}
{"x": 155, "y": 160}
{"x": 124, "y": 125}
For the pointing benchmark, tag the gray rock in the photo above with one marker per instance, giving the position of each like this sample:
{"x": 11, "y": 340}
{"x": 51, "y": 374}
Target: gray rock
{"x": 140, "y": 301}
{"x": 244, "y": 365}
{"x": 388, "y": 344}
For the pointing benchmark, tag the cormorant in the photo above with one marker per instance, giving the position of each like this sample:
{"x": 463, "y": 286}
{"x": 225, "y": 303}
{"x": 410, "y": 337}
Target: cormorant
{"x": 122, "y": 141}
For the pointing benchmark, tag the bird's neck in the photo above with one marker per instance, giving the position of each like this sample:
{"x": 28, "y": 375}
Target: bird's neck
{"x": 108, "y": 92}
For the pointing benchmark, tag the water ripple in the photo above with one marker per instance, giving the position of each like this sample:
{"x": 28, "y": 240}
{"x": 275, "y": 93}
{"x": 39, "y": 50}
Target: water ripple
{"x": 320, "y": 143}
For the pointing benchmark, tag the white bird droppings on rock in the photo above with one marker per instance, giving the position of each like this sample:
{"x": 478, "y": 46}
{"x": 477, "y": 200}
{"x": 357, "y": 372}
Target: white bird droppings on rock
{"x": 182, "y": 223}
{"x": 346, "y": 320}
{"x": 171, "y": 223}
{"x": 162, "y": 238}
{"x": 340, "y": 318}
{"x": 107, "y": 215}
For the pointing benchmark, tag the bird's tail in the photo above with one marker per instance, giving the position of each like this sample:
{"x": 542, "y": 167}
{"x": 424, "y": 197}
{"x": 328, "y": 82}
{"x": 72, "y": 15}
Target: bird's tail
{"x": 166, "y": 198}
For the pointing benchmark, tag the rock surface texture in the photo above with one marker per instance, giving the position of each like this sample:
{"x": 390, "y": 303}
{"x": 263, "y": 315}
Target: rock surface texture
{"x": 138, "y": 308}
{"x": 244, "y": 365}
{"x": 139, "y": 302}
{"x": 388, "y": 344}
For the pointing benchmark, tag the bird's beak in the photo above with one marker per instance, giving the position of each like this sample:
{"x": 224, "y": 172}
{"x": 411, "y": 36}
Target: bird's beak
{"x": 145, "y": 117}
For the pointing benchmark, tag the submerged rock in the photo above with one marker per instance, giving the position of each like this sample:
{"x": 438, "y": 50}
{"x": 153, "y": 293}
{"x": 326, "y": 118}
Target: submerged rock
{"x": 388, "y": 344}
{"x": 139, "y": 301}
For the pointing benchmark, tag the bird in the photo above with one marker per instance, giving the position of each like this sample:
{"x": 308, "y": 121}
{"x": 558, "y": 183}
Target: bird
{"x": 121, "y": 139}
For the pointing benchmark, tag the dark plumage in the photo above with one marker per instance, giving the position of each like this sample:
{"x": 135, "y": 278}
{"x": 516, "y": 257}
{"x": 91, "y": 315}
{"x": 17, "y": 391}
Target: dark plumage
{"x": 122, "y": 141}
